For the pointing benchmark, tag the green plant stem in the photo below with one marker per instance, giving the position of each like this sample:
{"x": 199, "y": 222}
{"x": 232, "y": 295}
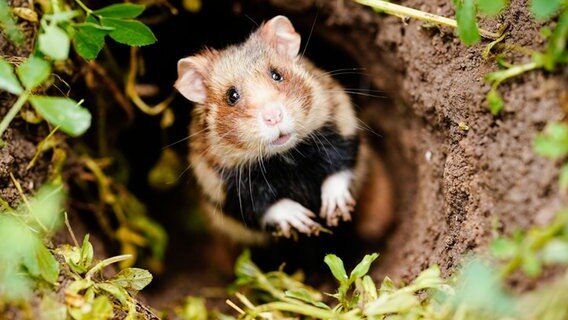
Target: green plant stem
{"x": 6, "y": 205}
{"x": 402, "y": 11}
{"x": 539, "y": 241}
{"x": 500, "y": 76}
{"x": 306, "y": 310}
{"x": 84, "y": 7}
{"x": 13, "y": 112}
{"x": 56, "y": 6}
{"x": 106, "y": 262}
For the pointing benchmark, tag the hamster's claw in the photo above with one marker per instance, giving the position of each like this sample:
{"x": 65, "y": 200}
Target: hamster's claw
{"x": 286, "y": 215}
{"x": 336, "y": 200}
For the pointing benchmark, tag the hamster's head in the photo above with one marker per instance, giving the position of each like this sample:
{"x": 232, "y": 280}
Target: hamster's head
{"x": 254, "y": 99}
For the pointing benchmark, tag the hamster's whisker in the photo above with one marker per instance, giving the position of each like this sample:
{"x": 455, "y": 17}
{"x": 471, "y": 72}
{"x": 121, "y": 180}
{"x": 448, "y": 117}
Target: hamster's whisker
{"x": 238, "y": 177}
{"x": 361, "y": 125}
{"x": 310, "y": 35}
{"x": 351, "y": 72}
{"x": 183, "y": 172}
{"x": 251, "y": 19}
{"x": 211, "y": 146}
{"x": 340, "y": 72}
{"x": 314, "y": 136}
{"x": 360, "y": 92}
{"x": 263, "y": 168}
{"x": 332, "y": 72}
{"x": 318, "y": 142}
{"x": 359, "y": 89}
{"x": 250, "y": 188}
{"x": 217, "y": 209}
{"x": 329, "y": 142}
{"x": 183, "y": 139}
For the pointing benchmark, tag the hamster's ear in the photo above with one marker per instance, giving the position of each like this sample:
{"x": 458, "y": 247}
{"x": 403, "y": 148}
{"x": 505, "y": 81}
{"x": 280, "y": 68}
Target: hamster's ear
{"x": 280, "y": 33}
{"x": 191, "y": 76}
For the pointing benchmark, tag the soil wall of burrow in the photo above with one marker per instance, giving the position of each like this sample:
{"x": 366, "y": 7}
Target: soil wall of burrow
{"x": 451, "y": 184}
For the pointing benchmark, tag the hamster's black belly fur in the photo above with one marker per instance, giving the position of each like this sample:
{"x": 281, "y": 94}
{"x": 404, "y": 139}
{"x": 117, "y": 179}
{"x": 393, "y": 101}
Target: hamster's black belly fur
{"x": 297, "y": 175}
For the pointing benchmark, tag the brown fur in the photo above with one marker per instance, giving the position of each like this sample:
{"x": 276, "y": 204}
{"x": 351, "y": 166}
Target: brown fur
{"x": 225, "y": 136}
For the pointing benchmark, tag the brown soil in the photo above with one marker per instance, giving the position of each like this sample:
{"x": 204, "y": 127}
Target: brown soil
{"x": 21, "y": 139}
{"x": 451, "y": 184}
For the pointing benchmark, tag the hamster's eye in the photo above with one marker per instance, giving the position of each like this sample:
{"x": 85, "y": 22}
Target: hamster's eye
{"x": 276, "y": 76}
{"x": 233, "y": 96}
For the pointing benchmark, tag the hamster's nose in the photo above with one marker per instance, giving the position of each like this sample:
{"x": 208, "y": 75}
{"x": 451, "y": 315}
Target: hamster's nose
{"x": 272, "y": 116}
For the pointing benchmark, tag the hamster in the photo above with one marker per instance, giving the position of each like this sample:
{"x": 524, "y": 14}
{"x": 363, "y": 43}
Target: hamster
{"x": 274, "y": 141}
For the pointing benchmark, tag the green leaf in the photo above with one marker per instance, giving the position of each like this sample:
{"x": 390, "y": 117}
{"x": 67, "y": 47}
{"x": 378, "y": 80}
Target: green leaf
{"x": 556, "y": 49}
{"x": 544, "y": 9}
{"x": 531, "y": 265}
{"x": 429, "y": 278}
{"x": 72, "y": 256}
{"x": 387, "y": 286}
{"x": 368, "y": 288}
{"x": 363, "y": 267}
{"x": 78, "y": 285}
{"x": 17, "y": 240}
{"x": 102, "y": 308}
{"x": 563, "y": 177}
{"x": 245, "y": 269}
{"x": 132, "y": 279}
{"x": 8, "y": 24}
{"x": 49, "y": 268}
{"x": 129, "y": 32}
{"x": 52, "y": 309}
{"x": 193, "y": 308}
{"x": 545, "y": 32}
{"x": 467, "y": 25}
{"x": 54, "y": 42}
{"x": 15, "y": 285}
{"x": 86, "y": 257}
{"x": 305, "y": 296}
{"x": 65, "y": 113}
{"x": 153, "y": 231}
{"x": 553, "y": 142}
{"x": 395, "y": 303}
{"x": 494, "y": 101}
{"x": 118, "y": 292}
{"x": 33, "y": 72}
{"x": 491, "y": 7}
{"x": 478, "y": 287}
{"x": 89, "y": 40}
{"x": 121, "y": 10}
{"x": 503, "y": 248}
{"x": 164, "y": 175}
{"x": 555, "y": 251}
{"x": 42, "y": 263}
{"x": 336, "y": 266}
{"x": 8, "y": 80}
{"x": 47, "y": 205}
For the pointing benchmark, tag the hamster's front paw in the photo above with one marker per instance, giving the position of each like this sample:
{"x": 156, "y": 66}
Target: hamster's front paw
{"x": 336, "y": 200}
{"x": 286, "y": 215}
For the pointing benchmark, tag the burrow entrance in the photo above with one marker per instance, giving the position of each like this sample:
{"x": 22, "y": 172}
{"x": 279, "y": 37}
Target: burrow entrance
{"x": 195, "y": 263}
